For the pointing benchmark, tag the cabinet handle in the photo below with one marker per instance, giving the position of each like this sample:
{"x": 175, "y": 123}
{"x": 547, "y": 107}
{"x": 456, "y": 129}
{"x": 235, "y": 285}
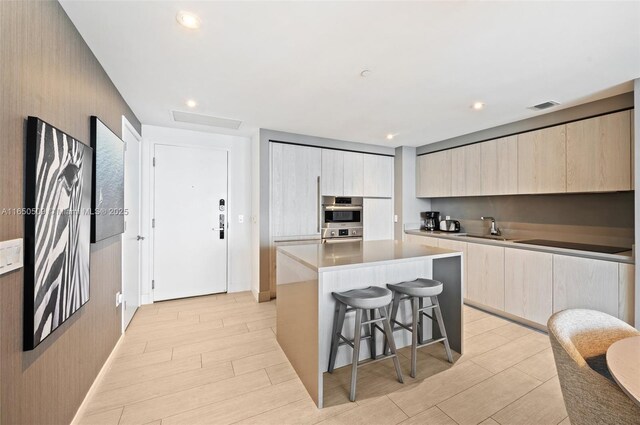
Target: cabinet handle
{"x": 319, "y": 205}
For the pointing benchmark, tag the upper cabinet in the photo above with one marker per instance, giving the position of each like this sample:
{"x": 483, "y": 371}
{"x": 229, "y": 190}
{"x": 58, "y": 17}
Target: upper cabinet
{"x": 599, "y": 153}
{"x": 499, "y": 159}
{"x": 542, "y": 160}
{"x": 433, "y": 174}
{"x": 591, "y": 155}
{"x": 332, "y": 177}
{"x": 295, "y": 190}
{"x": 466, "y": 171}
{"x": 353, "y": 174}
{"x": 378, "y": 176}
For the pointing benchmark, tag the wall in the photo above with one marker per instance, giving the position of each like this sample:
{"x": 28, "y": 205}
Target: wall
{"x": 407, "y": 206}
{"x": 636, "y": 164}
{"x": 265, "y": 137}
{"x": 239, "y": 196}
{"x": 47, "y": 70}
{"x": 600, "y": 218}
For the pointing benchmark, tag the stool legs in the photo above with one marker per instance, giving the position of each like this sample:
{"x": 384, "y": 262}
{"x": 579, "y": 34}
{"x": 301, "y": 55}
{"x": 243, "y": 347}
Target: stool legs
{"x": 372, "y": 334}
{"x": 415, "y": 313}
{"x": 338, "y": 322}
{"x": 443, "y": 331}
{"x": 356, "y": 354}
{"x": 392, "y": 344}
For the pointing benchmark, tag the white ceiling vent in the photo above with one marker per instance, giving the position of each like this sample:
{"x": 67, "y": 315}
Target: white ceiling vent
{"x": 544, "y": 105}
{"x": 209, "y": 120}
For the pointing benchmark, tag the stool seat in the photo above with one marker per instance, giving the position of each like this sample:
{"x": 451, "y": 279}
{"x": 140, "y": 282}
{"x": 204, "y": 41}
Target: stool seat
{"x": 366, "y": 298}
{"x": 418, "y": 288}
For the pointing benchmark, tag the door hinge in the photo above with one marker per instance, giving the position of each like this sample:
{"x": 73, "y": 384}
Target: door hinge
{"x": 154, "y": 161}
{"x": 125, "y": 146}
{"x": 153, "y": 284}
{"x": 153, "y": 223}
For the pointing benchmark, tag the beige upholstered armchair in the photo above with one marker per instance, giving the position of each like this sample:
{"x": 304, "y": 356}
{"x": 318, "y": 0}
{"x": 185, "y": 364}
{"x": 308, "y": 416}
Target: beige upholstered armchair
{"x": 580, "y": 339}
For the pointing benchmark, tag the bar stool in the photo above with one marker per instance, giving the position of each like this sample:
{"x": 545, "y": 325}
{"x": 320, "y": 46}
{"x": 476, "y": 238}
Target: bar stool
{"x": 416, "y": 291}
{"x": 364, "y": 302}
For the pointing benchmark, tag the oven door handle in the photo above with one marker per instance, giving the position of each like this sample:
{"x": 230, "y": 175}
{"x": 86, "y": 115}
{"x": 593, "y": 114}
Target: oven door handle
{"x": 342, "y": 208}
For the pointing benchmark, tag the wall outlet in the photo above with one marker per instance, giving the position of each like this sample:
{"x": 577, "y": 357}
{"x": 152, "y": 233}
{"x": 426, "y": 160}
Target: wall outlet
{"x": 11, "y": 255}
{"x": 118, "y": 299}
{"x": 240, "y": 219}
{"x": 395, "y": 218}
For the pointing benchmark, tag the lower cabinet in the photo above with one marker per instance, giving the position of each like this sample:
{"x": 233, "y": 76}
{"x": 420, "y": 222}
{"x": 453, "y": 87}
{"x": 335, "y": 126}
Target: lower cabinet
{"x": 485, "y": 280}
{"x": 585, "y": 283}
{"x": 528, "y": 284}
{"x": 377, "y": 221}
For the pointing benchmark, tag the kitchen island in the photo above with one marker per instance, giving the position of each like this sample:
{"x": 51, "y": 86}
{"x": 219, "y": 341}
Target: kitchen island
{"x": 306, "y": 276}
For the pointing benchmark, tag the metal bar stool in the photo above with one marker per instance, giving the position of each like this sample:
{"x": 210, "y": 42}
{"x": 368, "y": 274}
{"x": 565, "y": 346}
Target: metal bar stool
{"x": 364, "y": 302}
{"x": 417, "y": 291}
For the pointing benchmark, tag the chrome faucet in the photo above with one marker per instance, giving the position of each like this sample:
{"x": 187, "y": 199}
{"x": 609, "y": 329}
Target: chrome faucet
{"x": 494, "y": 230}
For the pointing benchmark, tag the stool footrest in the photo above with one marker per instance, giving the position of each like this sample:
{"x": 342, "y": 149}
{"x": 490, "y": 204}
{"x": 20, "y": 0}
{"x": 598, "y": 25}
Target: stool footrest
{"x": 431, "y": 341}
{"x": 376, "y": 360}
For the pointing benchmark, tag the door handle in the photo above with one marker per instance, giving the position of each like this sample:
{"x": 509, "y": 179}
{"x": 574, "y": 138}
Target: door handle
{"x": 319, "y": 217}
{"x": 221, "y": 228}
{"x": 139, "y": 238}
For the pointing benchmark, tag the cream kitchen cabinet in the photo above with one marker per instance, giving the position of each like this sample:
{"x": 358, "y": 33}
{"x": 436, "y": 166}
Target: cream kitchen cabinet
{"x": 433, "y": 173}
{"x": 422, "y": 240}
{"x": 295, "y": 190}
{"x": 353, "y": 174}
{"x": 499, "y": 159}
{"x": 585, "y": 283}
{"x": 599, "y": 153}
{"x": 377, "y": 220}
{"x": 466, "y": 174}
{"x": 342, "y": 173}
{"x": 378, "y": 176}
{"x": 528, "y": 284}
{"x": 542, "y": 161}
{"x": 485, "y": 275}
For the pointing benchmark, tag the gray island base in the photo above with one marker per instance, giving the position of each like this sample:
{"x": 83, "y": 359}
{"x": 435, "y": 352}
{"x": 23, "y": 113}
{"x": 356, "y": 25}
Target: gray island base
{"x": 306, "y": 275}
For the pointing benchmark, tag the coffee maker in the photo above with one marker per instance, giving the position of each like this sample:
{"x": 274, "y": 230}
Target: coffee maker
{"x": 430, "y": 220}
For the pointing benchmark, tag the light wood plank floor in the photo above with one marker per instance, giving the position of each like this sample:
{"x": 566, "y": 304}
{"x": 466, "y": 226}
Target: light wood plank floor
{"x": 215, "y": 360}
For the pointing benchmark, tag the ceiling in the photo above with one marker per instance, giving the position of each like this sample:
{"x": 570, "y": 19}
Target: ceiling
{"x": 295, "y": 66}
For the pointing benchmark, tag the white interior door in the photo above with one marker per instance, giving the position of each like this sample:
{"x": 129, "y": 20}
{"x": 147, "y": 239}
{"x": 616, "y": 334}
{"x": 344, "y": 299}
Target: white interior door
{"x": 190, "y": 222}
{"x": 131, "y": 237}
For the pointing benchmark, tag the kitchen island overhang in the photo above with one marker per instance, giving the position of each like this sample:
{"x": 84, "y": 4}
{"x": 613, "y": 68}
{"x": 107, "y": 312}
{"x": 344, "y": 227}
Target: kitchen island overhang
{"x": 306, "y": 276}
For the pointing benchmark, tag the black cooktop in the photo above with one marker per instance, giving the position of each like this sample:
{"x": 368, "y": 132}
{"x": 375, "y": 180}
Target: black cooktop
{"x": 578, "y": 246}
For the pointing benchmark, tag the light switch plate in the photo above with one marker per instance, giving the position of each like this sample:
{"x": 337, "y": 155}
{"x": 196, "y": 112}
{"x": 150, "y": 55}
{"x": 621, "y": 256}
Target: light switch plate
{"x": 240, "y": 219}
{"x": 11, "y": 255}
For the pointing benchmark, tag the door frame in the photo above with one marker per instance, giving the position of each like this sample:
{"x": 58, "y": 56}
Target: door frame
{"x": 152, "y": 207}
{"x": 126, "y": 125}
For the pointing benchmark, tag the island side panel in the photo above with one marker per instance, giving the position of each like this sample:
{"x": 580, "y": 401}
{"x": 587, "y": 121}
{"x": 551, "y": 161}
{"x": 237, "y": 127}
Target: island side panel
{"x": 449, "y": 271}
{"x": 362, "y": 277}
{"x": 297, "y": 321}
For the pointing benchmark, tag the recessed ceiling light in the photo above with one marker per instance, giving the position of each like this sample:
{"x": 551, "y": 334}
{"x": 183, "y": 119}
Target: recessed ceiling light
{"x": 477, "y": 106}
{"x": 191, "y": 103}
{"x": 188, "y": 20}
{"x": 389, "y": 136}
{"x": 365, "y": 73}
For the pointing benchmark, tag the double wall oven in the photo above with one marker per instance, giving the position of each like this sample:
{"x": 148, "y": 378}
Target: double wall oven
{"x": 341, "y": 219}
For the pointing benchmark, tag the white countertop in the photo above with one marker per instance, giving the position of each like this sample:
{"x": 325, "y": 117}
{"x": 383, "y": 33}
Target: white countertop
{"x": 357, "y": 254}
{"x": 623, "y": 257}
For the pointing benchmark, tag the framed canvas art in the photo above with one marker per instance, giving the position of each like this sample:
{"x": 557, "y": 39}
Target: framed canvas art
{"x": 108, "y": 182}
{"x": 58, "y": 172}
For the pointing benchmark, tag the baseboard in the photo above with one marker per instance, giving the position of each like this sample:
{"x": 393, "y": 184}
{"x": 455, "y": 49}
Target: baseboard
{"x": 96, "y": 382}
{"x": 146, "y": 299}
{"x": 506, "y": 315}
{"x": 264, "y": 296}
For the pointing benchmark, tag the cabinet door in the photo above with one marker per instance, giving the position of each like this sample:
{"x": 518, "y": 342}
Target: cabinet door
{"x": 499, "y": 159}
{"x": 599, "y": 153}
{"x": 353, "y": 174}
{"x": 332, "y": 177}
{"x": 542, "y": 165}
{"x": 466, "y": 171}
{"x": 585, "y": 283}
{"x": 626, "y": 285}
{"x": 485, "y": 280}
{"x": 295, "y": 197}
{"x": 458, "y": 246}
{"x": 434, "y": 172}
{"x": 528, "y": 284}
{"x": 378, "y": 176}
{"x": 422, "y": 240}
{"x": 377, "y": 219}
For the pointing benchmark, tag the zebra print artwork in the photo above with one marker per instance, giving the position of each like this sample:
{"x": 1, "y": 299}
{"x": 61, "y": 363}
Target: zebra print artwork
{"x": 57, "y": 229}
